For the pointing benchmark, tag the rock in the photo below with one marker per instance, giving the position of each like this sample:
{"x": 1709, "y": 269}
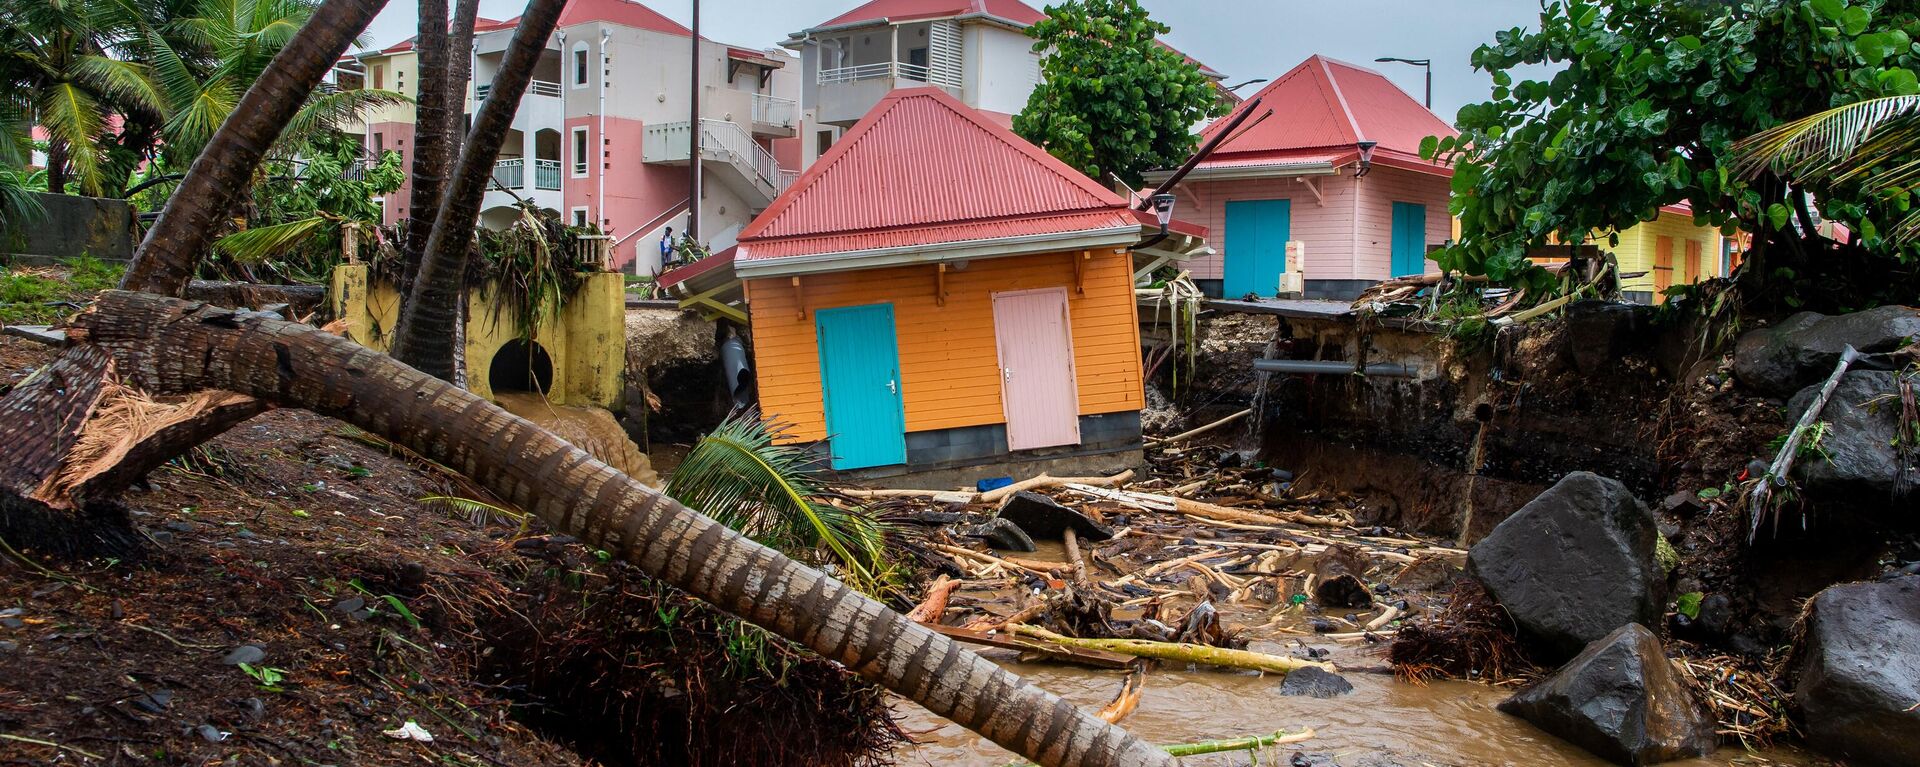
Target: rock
{"x": 1859, "y": 460}
{"x": 1573, "y": 564}
{"x": 211, "y": 733}
{"x": 1803, "y": 349}
{"x": 1427, "y": 572}
{"x": 180, "y": 526}
{"x": 935, "y": 518}
{"x": 1315, "y": 683}
{"x": 1859, "y": 672}
{"x": 1620, "y": 700}
{"x": 349, "y": 605}
{"x": 8, "y": 645}
{"x": 154, "y": 702}
{"x": 1342, "y": 590}
{"x": 246, "y": 653}
{"x": 1041, "y": 517}
{"x": 11, "y": 622}
{"x": 1000, "y": 534}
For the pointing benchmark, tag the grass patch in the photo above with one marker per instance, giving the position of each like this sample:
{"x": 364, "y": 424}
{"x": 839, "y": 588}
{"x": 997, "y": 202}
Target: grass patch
{"x": 41, "y": 295}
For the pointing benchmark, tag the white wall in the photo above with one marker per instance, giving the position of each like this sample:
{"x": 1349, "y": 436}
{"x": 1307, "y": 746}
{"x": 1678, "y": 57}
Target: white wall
{"x": 1001, "y": 68}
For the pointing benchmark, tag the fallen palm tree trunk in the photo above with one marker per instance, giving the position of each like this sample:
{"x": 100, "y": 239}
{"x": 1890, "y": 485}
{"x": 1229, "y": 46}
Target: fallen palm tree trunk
{"x": 1191, "y": 653}
{"x": 169, "y": 346}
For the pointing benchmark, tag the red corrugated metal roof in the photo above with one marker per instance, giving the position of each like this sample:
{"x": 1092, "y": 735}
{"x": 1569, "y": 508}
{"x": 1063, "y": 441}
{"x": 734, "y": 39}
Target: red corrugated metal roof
{"x": 923, "y": 236}
{"x": 622, "y": 12}
{"x": 722, "y": 261}
{"x": 1325, "y": 104}
{"x": 921, "y": 168}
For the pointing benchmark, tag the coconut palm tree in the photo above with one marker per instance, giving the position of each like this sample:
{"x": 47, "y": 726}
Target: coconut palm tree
{"x": 424, "y": 335}
{"x": 276, "y": 99}
{"x": 65, "y": 67}
{"x": 1872, "y": 144}
{"x": 169, "y": 346}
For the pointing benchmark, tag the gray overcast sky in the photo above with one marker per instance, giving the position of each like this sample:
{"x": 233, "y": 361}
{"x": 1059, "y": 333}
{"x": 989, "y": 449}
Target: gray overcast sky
{"x": 1243, "y": 39}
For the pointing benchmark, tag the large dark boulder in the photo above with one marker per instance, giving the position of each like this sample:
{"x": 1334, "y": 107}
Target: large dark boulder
{"x": 1620, "y": 700}
{"x": 1859, "y": 672}
{"x": 1573, "y": 564}
{"x": 1803, "y": 349}
{"x": 1858, "y": 461}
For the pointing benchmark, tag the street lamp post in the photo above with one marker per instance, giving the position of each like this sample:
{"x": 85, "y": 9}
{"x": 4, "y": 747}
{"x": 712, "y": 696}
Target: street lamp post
{"x": 1428, "y": 63}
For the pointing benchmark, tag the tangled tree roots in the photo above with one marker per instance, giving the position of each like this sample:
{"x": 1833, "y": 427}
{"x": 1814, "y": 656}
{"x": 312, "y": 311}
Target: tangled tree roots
{"x": 1472, "y": 638}
{"x": 632, "y": 672}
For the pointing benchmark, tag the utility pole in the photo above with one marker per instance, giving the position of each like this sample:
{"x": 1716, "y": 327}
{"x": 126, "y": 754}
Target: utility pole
{"x": 693, "y": 135}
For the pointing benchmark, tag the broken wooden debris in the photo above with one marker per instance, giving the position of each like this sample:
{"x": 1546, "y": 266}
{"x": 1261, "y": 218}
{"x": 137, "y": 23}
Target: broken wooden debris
{"x": 1190, "y": 653}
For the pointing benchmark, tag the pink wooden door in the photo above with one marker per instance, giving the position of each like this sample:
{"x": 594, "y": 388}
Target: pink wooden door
{"x": 1036, "y": 368}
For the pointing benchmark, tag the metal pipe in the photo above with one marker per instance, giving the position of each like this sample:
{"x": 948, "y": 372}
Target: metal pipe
{"x": 1334, "y": 367}
{"x": 693, "y": 136}
{"x": 1246, "y": 110}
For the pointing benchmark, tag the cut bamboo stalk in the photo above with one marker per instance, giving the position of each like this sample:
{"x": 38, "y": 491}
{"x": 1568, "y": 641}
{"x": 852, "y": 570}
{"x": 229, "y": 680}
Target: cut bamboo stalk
{"x": 1191, "y": 433}
{"x": 1190, "y": 653}
{"x": 1783, "y": 462}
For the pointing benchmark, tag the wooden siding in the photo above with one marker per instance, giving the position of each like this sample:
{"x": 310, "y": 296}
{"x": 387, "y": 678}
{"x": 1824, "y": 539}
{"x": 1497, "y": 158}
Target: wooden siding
{"x": 1349, "y": 237}
{"x": 1373, "y": 218}
{"x": 1637, "y": 249}
{"x": 1326, "y": 230}
{"x": 948, "y": 369}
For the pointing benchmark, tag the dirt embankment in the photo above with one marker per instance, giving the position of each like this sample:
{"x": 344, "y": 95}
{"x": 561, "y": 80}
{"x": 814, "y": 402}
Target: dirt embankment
{"x": 305, "y": 551}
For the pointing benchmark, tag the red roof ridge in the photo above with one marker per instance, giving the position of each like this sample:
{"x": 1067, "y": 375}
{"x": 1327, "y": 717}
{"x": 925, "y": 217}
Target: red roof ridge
{"x": 878, "y": 115}
{"x": 1339, "y": 97}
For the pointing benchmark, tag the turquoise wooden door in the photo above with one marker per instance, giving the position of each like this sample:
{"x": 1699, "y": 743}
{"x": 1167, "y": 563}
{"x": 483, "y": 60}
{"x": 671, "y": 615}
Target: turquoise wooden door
{"x": 1409, "y": 239}
{"x": 860, "y": 386}
{"x": 1257, "y": 232}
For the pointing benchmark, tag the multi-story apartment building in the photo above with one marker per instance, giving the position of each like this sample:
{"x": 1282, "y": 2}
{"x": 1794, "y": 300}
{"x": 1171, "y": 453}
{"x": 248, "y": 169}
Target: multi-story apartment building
{"x": 602, "y": 133}
{"x": 976, "y": 50}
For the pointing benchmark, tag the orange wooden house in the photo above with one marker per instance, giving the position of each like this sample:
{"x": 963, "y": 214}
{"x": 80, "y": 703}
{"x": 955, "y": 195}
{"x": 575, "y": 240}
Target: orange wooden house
{"x": 937, "y": 293}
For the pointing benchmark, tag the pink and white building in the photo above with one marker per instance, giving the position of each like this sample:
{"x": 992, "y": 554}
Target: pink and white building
{"x": 1326, "y": 171}
{"x": 602, "y": 134}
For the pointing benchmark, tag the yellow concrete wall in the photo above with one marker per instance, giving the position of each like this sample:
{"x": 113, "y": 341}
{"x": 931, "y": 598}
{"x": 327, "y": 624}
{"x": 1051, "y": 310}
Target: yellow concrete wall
{"x": 586, "y": 339}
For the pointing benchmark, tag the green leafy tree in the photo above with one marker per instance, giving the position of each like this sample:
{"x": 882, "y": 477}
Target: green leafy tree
{"x": 1644, "y": 105}
{"x": 1112, "y": 100}
{"x": 65, "y": 66}
{"x": 302, "y": 206}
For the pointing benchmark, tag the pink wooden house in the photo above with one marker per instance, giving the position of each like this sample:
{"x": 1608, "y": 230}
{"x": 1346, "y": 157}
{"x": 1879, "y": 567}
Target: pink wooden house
{"x": 1334, "y": 171}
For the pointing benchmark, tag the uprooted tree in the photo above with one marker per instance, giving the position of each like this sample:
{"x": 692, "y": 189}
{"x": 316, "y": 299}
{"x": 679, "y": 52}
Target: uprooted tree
{"x": 78, "y": 420}
{"x": 1647, "y": 100}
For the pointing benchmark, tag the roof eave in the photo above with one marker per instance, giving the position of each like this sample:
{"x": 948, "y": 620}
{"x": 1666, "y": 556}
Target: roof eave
{"x": 1226, "y": 173}
{"x": 908, "y": 255}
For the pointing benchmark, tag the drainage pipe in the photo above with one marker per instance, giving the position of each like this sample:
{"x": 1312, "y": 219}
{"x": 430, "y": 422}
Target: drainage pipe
{"x": 1334, "y": 367}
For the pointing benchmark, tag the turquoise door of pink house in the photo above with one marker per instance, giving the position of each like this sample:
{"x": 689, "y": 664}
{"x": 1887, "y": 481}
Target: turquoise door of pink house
{"x": 1037, "y": 387}
{"x": 1256, "y": 247}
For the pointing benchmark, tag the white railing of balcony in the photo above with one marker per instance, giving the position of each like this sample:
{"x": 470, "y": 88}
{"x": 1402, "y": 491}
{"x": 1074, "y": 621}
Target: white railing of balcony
{"x": 773, "y": 110}
{"x": 534, "y": 88}
{"x": 511, "y": 174}
{"x": 885, "y": 69}
{"x": 546, "y": 175}
{"x": 742, "y": 151}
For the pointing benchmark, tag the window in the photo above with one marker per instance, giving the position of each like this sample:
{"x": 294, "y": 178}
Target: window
{"x": 580, "y": 152}
{"x": 840, "y": 52}
{"x": 579, "y": 65}
{"x": 917, "y": 57}
{"x": 379, "y": 143}
{"x": 580, "y": 216}
{"x": 824, "y": 141}
{"x": 379, "y": 77}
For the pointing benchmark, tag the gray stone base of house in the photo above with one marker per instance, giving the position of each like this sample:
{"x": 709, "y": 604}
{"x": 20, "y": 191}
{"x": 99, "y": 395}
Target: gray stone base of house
{"x": 944, "y": 459}
{"x": 1337, "y": 290}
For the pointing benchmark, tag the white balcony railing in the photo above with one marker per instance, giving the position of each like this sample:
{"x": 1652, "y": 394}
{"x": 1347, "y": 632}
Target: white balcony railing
{"x": 511, "y": 174}
{"x": 721, "y": 140}
{"x": 546, "y": 175}
{"x": 773, "y": 110}
{"x": 888, "y": 69}
{"x": 534, "y": 88}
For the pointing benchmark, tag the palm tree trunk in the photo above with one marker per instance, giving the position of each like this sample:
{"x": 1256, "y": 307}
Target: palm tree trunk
{"x": 56, "y": 166}
{"x": 431, "y": 129}
{"x": 460, "y": 71}
{"x": 423, "y": 337}
{"x": 165, "y": 260}
{"x": 167, "y": 345}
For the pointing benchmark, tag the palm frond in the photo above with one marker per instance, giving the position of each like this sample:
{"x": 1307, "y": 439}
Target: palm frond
{"x": 126, "y": 82}
{"x": 741, "y": 478}
{"x": 478, "y": 512}
{"x": 1829, "y": 144}
{"x": 70, "y": 114}
{"x": 262, "y": 243}
{"x": 19, "y": 207}
{"x": 333, "y": 111}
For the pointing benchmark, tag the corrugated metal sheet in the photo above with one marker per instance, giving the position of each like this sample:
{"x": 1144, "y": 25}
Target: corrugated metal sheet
{"x": 1322, "y": 104}
{"x": 931, "y": 170}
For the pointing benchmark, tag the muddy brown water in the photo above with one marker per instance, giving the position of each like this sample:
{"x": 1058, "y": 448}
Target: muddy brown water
{"x": 1384, "y": 721}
